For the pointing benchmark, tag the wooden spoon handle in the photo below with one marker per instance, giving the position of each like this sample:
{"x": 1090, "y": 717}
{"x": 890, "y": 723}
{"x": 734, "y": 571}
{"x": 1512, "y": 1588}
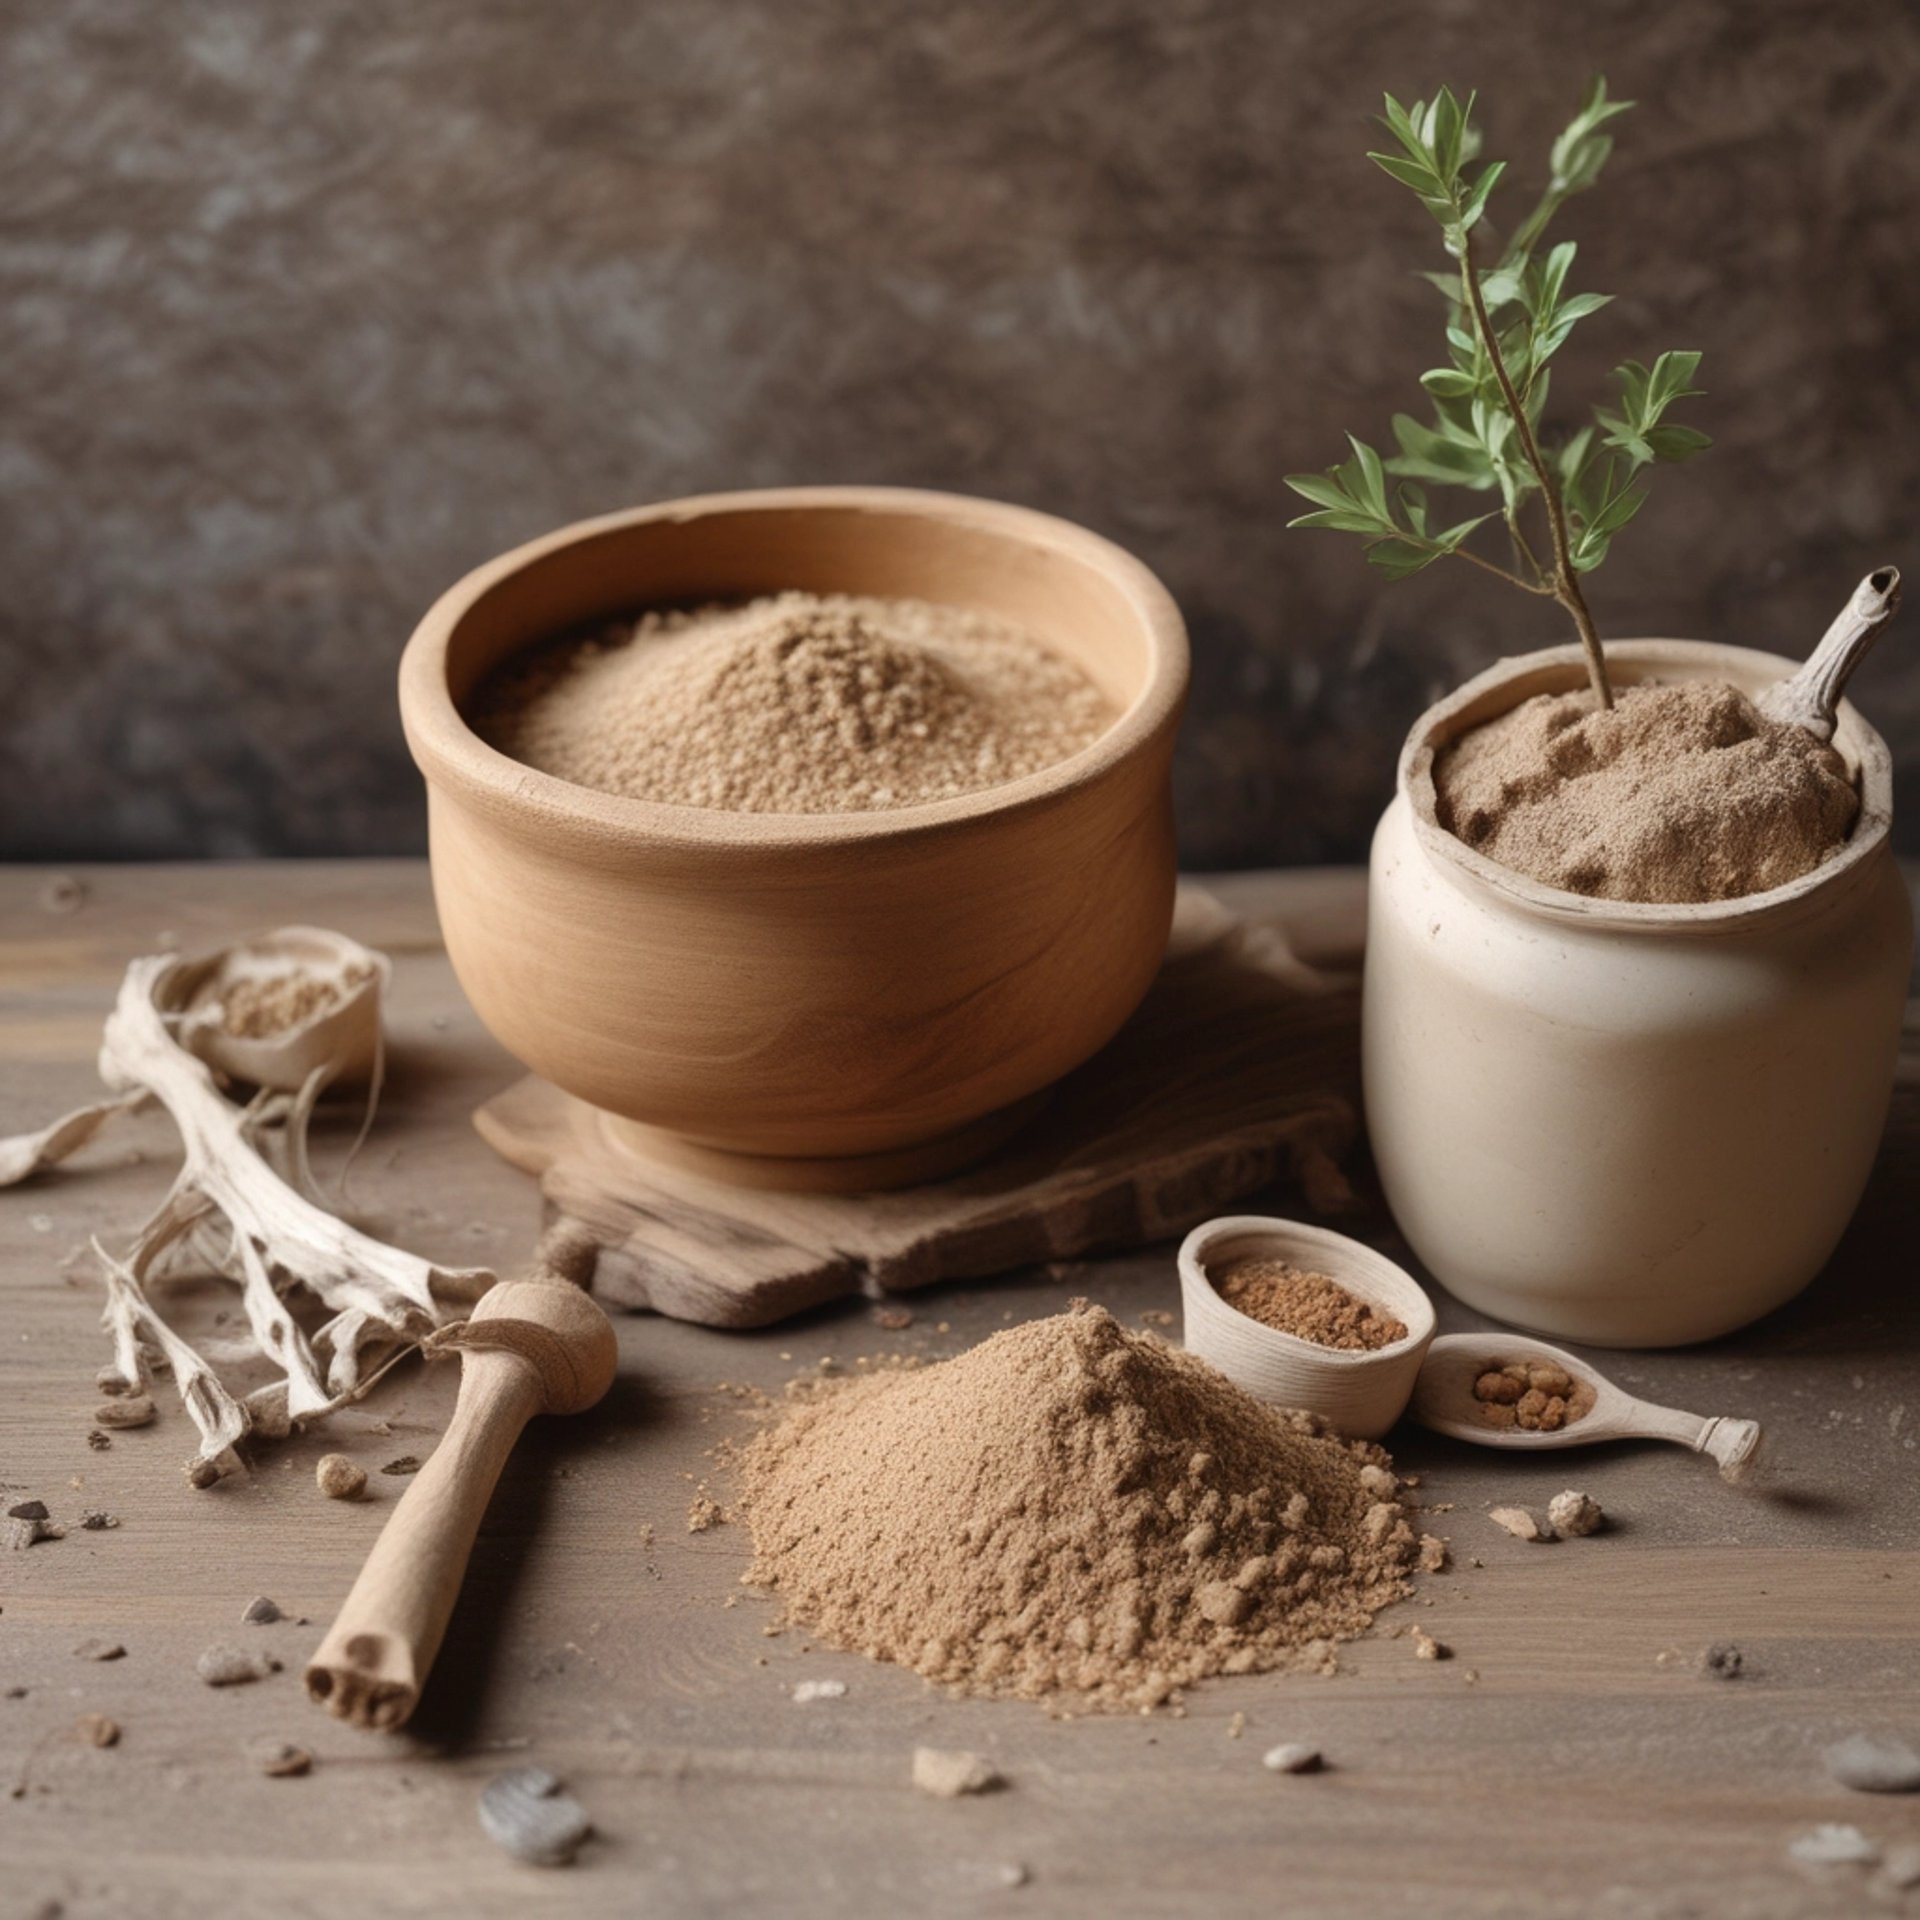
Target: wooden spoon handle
{"x": 375, "y": 1659}
{"x": 1811, "y": 697}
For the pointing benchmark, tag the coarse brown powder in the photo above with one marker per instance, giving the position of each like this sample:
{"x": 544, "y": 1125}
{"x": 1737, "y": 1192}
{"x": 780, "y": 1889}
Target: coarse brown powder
{"x": 1534, "y": 1395}
{"x": 1311, "y": 1306}
{"x": 257, "y": 1006}
{"x": 795, "y": 703}
{"x": 1679, "y": 793}
{"x": 1070, "y": 1512}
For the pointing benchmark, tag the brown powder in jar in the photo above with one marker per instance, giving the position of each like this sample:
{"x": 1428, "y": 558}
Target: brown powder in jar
{"x": 1534, "y": 1395}
{"x": 258, "y": 1006}
{"x": 1070, "y": 1512}
{"x": 794, "y": 703}
{"x": 1679, "y": 793}
{"x": 1310, "y": 1306}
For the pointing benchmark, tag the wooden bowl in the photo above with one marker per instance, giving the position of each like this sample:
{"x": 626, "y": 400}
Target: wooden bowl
{"x": 809, "y": 1000}
{"x": 1361, "y": 1392}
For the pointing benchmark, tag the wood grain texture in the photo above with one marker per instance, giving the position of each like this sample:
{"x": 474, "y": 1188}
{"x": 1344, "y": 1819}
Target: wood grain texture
{"x": 309, "y": 309}
{"x": 1238, "y": 1071}
{"x": 1579, "y": 1774}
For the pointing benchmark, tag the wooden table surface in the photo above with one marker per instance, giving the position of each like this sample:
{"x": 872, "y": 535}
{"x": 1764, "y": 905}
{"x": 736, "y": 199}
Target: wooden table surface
{"x": 1571, "y": 1758}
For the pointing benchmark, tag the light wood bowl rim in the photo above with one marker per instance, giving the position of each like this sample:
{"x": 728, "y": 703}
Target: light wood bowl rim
{"x": 452, "y": 755}
{"x": 1361, "y": 1269}
{"x": 1506, "y": 683}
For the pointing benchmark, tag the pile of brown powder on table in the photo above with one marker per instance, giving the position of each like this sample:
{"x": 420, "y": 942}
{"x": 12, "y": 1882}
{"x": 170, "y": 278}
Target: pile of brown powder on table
{"x": 1070, "y": 1512}
{"x": 1680, "y": 793}
{"x": 1311, "y": 1306}
{"x": 795, "y": 703}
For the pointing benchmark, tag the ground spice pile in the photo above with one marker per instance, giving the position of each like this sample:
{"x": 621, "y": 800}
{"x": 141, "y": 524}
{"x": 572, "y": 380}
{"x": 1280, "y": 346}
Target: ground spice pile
{"x": 1070, "y": 1512}
{"x": 794, "y": 704}
{"x": 1311, "y": 1306}
{"x": 257, "y": 1006}
{"x": 1532, "y": 1394}
{"x": 1679, "y": 793}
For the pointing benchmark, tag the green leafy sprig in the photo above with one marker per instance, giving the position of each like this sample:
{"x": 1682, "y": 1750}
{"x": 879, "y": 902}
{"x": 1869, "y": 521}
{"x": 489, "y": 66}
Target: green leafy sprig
{"x": 1505, "y": 323}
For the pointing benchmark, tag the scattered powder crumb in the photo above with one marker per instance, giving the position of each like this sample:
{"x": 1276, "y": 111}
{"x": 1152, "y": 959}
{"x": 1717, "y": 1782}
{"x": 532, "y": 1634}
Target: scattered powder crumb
{"x": 921, "y": 1516}
{"x": 40, "y": 1222}
{"x": 96, "y": 1730}
{"x": 1520, "y": 1523}
{"x": 1680, "y": 793}
{"x": 1833, "y": 1845}
{"x": 1156, "y": 1317}
{"x": 1426, "y": 1647}
{"x": 1236, "y": 1726}
{"x": 261, "y": 1611}
{"x": 99, "y": 1441}
{"x": 1291, "y": 1757}
{"x": 646, "y": 1533}
{"x": 1575, "y": 1514}
{"x": 1532, "y": 1394}
{"x": 130, "y": 1410}
{"x": 100, "y": 1650}
{"x": 339, "y": 1478}
{"x": 400, "y": 1468}
{"x": 229, "y": 1667}
{"x": 1875, "y": 1763}
{"x": 1723, "y": 1661}
{"x": 794, "y": 703}
{"x": 805, "y": 1692}
{"x": 947, "y": 1775}
{"x": 893, "y": 1319}
{"x": 703, "y": 1511}
{"x": 279, "y": 1758}
{"x": 96, "y": 1521}
{"x": 1433, "y": 1554}
{"x": 1311, "y": 1306}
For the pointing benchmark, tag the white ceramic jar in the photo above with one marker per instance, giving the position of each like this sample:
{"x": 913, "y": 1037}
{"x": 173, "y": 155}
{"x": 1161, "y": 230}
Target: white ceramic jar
{"x": 1626, "y": 1124}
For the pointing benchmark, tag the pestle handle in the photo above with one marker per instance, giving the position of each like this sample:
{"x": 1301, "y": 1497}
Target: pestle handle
{"x": 1811, "y": 697}
{"x": 531, "y": 1346}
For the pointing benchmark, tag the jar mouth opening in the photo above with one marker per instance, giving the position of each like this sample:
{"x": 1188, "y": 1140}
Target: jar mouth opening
{"x": 1507, "y": 683}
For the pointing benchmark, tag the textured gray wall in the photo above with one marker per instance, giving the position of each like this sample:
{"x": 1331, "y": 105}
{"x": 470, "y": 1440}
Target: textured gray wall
{"x": 305, "y": 310}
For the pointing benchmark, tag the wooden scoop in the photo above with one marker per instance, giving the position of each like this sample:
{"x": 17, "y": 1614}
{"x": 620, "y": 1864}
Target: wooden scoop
{"x": 1811, "y": 697}
{"x": 538, "y": 1345}
{"x": 1443, "y": 1400}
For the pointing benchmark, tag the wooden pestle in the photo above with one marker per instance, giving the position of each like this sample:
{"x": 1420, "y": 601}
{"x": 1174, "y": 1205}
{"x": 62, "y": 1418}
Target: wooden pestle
{"x": 535, "y": 1345}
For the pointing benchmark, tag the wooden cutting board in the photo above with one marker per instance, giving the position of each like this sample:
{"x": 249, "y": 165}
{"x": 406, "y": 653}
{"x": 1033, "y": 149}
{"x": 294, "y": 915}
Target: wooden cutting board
{"x": 1240, "y": 1068}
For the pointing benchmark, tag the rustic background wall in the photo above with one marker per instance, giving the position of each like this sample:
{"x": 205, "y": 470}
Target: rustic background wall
{"x": 307, "y": 310}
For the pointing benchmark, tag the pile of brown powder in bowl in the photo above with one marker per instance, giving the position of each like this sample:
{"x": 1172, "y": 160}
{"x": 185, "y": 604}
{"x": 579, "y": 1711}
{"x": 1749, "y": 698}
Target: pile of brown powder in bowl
{"x": 258, "y": 1006}
{"x": 1070, "y": 1512}
{"x": 1679, "y": 793}
{"x": 795, "y": 703}
{"x": 1311, "y": 1306}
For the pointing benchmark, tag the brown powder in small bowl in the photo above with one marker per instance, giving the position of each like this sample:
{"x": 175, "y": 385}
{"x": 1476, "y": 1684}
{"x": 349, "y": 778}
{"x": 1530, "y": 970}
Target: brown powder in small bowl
{"x": 1310, "y": 1306}
{"x": 1533, "y": 1395}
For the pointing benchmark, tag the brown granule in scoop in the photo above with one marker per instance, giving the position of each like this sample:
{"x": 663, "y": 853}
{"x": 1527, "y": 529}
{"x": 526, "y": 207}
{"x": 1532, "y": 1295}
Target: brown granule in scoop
{"x": 1311, "y": 1306}
{"x": 794, "y": 703}
{"x": 258, "y": 1006}
{"x": 1070, "y": 1512}
{"x": 1679, "y": 793}
{"x": 1534, "y": 1395}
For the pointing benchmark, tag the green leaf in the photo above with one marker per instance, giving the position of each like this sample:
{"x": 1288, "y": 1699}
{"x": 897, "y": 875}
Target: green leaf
{"x": 1448, "y": 383}
{"x": 1426, "y": 455}
{"x": 1410, "y": 173}
{"x": 1341, "y": 520}
{"x": 1671, "y": 380}
{"x": 1372, "y": 490}
{"x": 1475, "y": 203}
{"x": 1453, "y": 536}
{"x": 1399, "y": 559}
{"x": 1413, "y": 504}
{"x": 1321, "y": 488}
{"x": 1676, "y": 443}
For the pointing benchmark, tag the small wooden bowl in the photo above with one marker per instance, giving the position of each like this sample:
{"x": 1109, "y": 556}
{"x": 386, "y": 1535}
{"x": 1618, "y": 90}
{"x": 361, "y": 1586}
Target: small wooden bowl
{"x": 1361, "y": 1392}
{"x": 836, "y": 1001}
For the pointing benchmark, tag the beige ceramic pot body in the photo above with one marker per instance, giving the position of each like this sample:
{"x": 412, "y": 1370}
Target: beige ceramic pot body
{"x": 1624, "y": 1124}
{"x": 830, "y": 999}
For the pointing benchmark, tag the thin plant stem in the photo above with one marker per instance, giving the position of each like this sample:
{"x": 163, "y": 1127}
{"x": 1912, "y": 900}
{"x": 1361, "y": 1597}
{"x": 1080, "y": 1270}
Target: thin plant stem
{"x": 1566, "y": 582}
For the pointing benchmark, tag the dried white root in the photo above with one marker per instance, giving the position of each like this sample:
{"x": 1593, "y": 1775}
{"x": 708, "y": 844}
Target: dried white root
{"x": 288, "y": 1013}
{"x": 24, "y": 1154}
